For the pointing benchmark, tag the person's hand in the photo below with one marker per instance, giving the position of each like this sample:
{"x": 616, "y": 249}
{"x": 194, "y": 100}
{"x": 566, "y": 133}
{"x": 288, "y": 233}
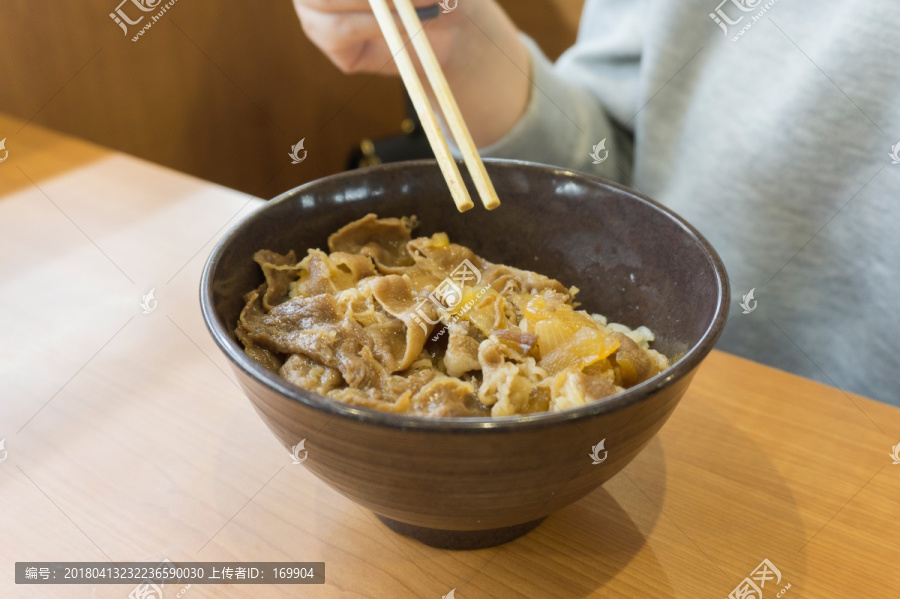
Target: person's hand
{"x": 346, "y": 31}
{"x": 485, "y": 62}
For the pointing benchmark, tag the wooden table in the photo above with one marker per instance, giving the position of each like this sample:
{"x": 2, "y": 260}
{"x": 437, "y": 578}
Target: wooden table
{"x": 128, "y": 439}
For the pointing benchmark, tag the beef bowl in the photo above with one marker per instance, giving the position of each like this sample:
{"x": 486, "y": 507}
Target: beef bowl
{"x": 466, "y": 482}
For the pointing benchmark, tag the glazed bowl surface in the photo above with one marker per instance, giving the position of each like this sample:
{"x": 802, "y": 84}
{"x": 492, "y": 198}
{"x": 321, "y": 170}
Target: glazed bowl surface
{"x": 479, "y": 481}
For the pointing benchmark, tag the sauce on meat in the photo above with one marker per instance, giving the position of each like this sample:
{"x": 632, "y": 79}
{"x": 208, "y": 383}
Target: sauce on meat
{"x": 426, "y": 327}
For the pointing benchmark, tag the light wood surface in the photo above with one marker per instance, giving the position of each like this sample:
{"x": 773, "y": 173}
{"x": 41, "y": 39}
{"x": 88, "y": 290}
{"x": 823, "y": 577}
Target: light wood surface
{"x": 127, "y": 438}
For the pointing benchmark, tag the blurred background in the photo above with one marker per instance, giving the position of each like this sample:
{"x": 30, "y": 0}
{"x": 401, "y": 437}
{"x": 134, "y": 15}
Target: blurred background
{"x": 219, "y": 90}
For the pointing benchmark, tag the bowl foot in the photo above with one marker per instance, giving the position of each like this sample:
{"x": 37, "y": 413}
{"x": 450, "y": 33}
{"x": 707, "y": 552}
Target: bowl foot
{"x": 460, "y": 539}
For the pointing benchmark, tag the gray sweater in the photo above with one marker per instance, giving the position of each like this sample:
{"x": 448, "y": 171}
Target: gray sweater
{"x": 769, "y": 126}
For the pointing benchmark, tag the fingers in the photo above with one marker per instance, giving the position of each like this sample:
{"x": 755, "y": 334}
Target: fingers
{"x": 348, "y": 33}
{"x": 338, "y": 30}
{"x": 346, "y": 38}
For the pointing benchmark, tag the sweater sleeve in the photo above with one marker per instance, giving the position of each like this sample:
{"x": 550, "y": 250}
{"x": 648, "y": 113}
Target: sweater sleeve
{"x": 587, "y": 98}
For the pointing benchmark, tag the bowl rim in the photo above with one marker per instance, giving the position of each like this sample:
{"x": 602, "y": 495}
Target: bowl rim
{"x": 463, "y": 424}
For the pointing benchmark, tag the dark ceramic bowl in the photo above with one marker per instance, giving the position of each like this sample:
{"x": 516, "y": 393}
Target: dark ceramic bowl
{"x": 470, "y": 482}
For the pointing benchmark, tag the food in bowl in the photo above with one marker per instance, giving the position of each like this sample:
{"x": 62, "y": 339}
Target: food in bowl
{"x": 426, "y": 327}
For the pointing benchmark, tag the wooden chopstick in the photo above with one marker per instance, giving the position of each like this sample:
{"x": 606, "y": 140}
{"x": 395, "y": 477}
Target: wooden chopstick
{"x": 420, "y": 102}
{"x": 413, "y": 25}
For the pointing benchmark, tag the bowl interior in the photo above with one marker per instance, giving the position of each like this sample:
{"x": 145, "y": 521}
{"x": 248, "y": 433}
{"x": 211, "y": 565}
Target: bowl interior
{"x": 632, "y": 260}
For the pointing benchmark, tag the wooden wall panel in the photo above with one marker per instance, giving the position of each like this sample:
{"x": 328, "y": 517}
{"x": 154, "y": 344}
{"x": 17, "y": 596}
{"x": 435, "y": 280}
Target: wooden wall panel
{"x": 217, "y": 89}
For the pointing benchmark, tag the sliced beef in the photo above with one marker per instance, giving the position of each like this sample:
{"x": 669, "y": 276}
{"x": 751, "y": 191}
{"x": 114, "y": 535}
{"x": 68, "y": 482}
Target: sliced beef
{"x": 382, "y": 239}
{"x": 529, "y": 282}
{"x": 280, "y": 271}
{"x": 462, "y": 349}
{"x": 394, "y": 295}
